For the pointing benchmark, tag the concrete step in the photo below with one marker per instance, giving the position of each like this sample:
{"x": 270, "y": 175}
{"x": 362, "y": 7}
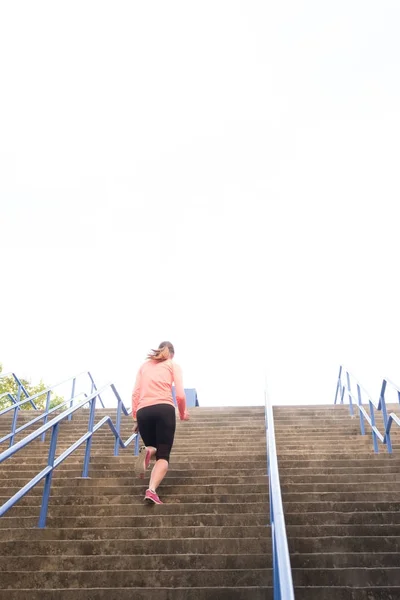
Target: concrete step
{"x": 175, "y": 456}
{"x": 130, "y": 579}
{"x": 184, "y": 428}
{"x": 367, "y": 543}
{"x": 353, "y": 578}
{"x": 341, "y": 487}
{"x": 209, "y": 475}
{"x": 373, "y": 460}
{"x": 311, "y": 419}
{"x": 339, "y": 479}
{"x": 210, "y": 546}
{"x": 173, "y": 532}
{"x": 206, "y": 519}
{"x": 208, "y": 593}
{"x": 337, "y": 530}
{"x": 195, "y": 423}
{"x": 171, "y": 498}
{"x": 74, "y": 478}
{"x": 123, "y": 506}
{"x": 361, "y": 445}
{"x": 196, "y": 561}
{"x": 145, "y": 520}
{"x": 346, "y": 560}
{"x": 345, "y": 507}
{"x": 230, "y": 429}
{"x": 333, "y": 456}
{"x": 347, "y": 593}
{"x": 136, "y": 486}
{"x": 188, "y": 464}
{"x": 177, "y": 593}
{"x": 127, "y": 508}
{"x": 342, "y": 518}
{"x": 347, "y": 496}
{"x": 134, "y": 562}
{"x": 208, "y": 435}
{"x": 338, "y": 471}
{"x": 165, "y": 532}
{"x": 298, "y": 545}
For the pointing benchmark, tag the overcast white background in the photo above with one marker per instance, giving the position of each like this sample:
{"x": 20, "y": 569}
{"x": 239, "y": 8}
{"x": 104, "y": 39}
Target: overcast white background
{"x": 221, "y": 174}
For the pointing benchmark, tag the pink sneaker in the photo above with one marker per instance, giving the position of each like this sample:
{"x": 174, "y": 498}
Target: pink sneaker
{"x": 143, "y": 461}
{"x": 152, "y": 498}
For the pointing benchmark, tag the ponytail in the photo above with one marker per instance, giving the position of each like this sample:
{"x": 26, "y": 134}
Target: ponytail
{"x": 164, "y": 352}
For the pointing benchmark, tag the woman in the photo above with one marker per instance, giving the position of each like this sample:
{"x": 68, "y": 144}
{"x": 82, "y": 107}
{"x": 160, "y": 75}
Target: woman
{"x": 153, "y": 413}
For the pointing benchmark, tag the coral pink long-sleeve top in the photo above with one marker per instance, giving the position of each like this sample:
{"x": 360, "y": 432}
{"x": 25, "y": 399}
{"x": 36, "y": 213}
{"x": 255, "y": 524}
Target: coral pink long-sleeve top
{"x": 154, "y": 386}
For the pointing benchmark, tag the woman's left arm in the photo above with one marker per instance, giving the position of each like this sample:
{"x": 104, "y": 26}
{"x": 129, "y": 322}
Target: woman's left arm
{"x": 135, "y": 395}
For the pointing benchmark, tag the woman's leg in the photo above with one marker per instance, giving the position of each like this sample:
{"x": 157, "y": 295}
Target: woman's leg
{"x": 158, "y": 473}
{"x": 147, "y": 430}
{"x": 165, "y": 432}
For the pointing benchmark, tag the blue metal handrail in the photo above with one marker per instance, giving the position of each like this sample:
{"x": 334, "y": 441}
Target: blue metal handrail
{"x": 282, "y": 571}
{"x": 121, "y": 408}
{"x": 345, "y": 388}
{"x": 15, "y": 431}
{"x": 54, "y": 462}
{"x": 10, "y": 397}
{"x": 48, "y": 391}
{"x": 21, "y": 388}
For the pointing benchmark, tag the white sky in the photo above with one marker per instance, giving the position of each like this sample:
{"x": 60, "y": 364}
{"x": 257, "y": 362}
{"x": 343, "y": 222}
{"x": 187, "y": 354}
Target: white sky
{"x": 222, "y": 174}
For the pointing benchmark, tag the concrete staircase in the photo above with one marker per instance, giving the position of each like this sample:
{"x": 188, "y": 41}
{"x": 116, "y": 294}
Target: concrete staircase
{"x": 342, "y": 505}
{"x": 210, "y": 540}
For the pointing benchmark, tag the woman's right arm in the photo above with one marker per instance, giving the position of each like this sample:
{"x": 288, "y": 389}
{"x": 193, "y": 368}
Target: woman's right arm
{"x": 180, "y": 393}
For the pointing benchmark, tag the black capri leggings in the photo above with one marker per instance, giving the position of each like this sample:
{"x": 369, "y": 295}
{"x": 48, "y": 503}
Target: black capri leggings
{"x": 157, "y": 425}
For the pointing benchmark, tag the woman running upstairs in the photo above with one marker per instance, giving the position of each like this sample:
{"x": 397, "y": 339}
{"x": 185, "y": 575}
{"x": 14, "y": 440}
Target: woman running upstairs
{"x": 153, "y": 413}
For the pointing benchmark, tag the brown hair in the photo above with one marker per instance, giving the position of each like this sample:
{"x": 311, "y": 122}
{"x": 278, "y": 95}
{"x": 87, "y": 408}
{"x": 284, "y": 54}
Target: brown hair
{"x": 164, "y": 352}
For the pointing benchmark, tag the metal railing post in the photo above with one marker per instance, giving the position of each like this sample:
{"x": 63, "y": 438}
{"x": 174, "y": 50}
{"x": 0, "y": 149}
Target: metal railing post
{"x": 94, "y": 388}
{"x": 382, "y": 403}
{"x": 342, "y": 398}
{"x": 72, "y": 397}
{"x": 374, "y": 438}
{"x": 362, "y": 427}
{"x": 48, "y": 396}
{"x": 275, "y": 566}
{"x": 14, "y": 425}
{"x": 118, "y": 428}
{"x": 48, "y": 478}
{"x": 339, "y": 384}
{"x": 85, "y": 472}
{"x": 136, "y": 451}
{"x": 349, "y": 394}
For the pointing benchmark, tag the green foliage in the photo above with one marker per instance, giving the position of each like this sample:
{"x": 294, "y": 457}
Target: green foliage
{"x": 8, "y": 384}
